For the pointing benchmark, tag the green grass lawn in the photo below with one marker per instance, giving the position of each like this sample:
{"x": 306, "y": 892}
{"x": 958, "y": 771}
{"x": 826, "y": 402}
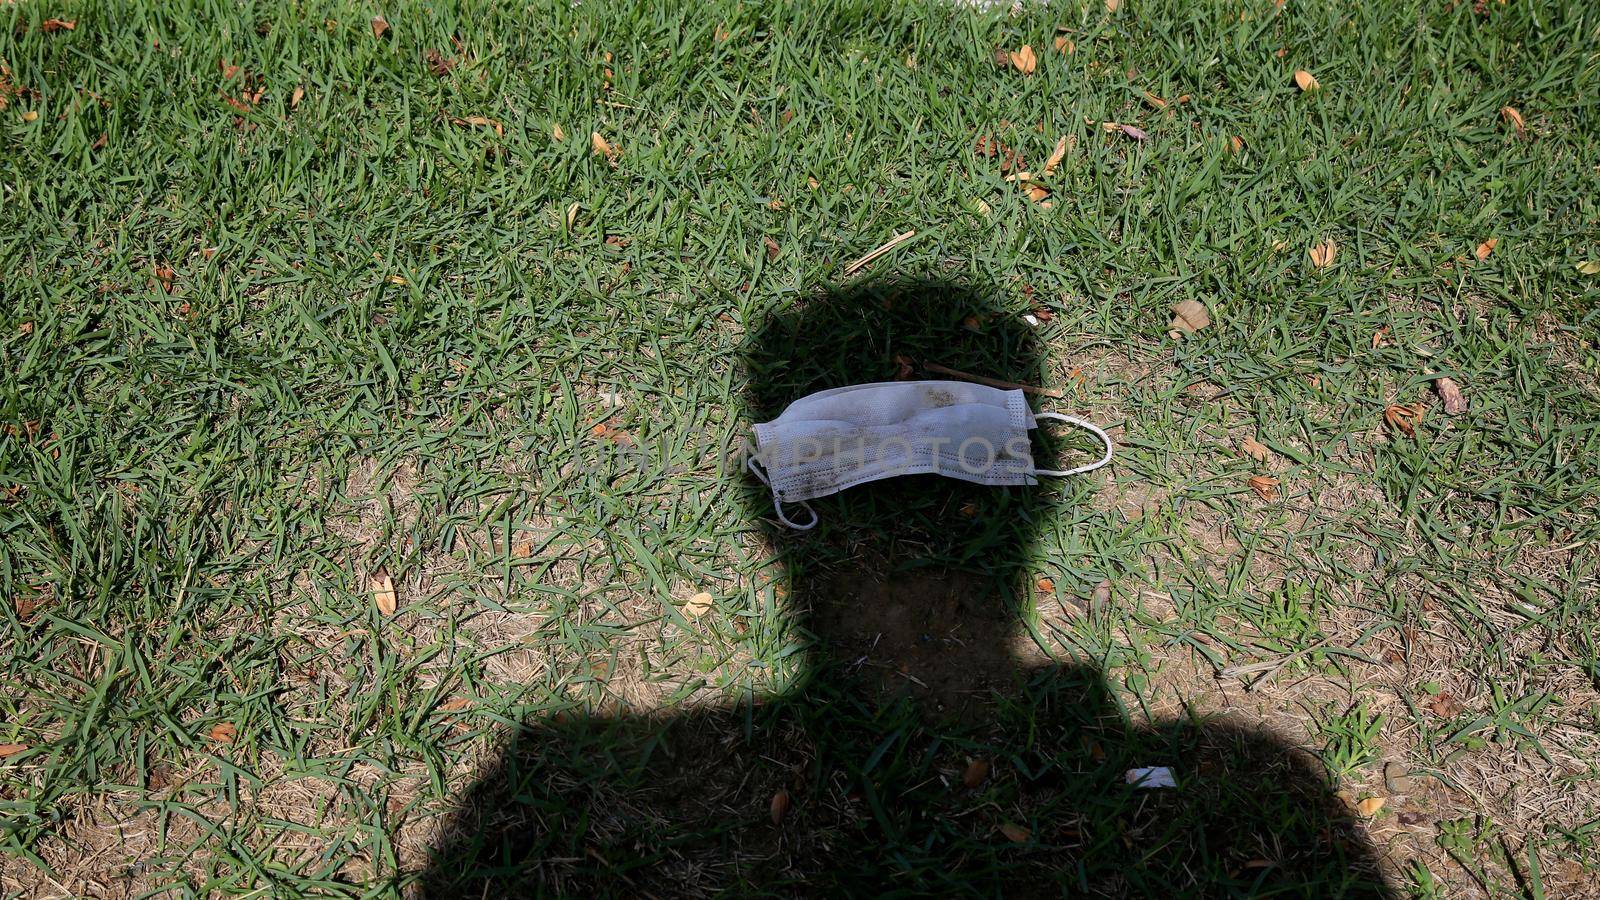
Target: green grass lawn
{"x": 291, "y": 301}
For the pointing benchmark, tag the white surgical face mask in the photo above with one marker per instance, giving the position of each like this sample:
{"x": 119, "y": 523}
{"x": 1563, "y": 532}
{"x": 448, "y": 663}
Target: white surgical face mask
{"x": 837, "y": 439}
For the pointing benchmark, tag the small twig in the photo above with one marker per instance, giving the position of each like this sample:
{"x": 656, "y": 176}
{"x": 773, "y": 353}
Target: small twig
{"x": 888, "y": 245}
{"x": 992, "y": 382}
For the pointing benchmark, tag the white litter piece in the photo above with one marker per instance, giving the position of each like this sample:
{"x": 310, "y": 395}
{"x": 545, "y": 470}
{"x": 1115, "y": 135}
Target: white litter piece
{"x": 1151, "y": 777}
{"x": 1031, "y": 319}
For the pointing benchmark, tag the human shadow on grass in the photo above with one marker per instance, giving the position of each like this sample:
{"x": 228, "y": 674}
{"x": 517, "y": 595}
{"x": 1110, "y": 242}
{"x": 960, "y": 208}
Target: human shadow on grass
{"x": 919, "y": 754}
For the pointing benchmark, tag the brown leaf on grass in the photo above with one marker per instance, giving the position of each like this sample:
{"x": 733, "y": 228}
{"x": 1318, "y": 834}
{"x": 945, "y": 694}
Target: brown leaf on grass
{"x": 1255, "y": 450}
{"x": 989, "y": 146}
{"x": 773, "y": 250}
{"x": 1455, "y": 403}
{"x": 1510, "y": 114}
{"x": 1056, "y": 155}
{"x": 1154, "y": 101}
{"x": 166, "y": 276}
{"x": 9, "y": 750}
{"x": 1023, "y": 60}
{"x": 1037, "y": 192}
{"x": 1446, "y": 706}
{"x": 1045, "y": 585}
{"x": 1101, "y": 598}
{"x": 1322, "y": 254}
{"x": 557, "y": 133}
{"x": 1014, "y": 833}
{"x": 1306, "y": 80}
{"x": 698, "y": 605}
{"x": 383, "y": 593}
{"x": 51, "y": 26}
{"x": 1403, "y": 418}
{"x": 238, "y": 104}
{"x": 1065, "y": 45}
{"x": 1132, "y": 131}
{"x": 977, "y": 773}
{"x": 228, "y": 70}
{"x": 439, "y": 65}
{"x": 972, "y": 324}
{"x": 298, "y": 95}
{"x": 1485, "y": 248}
{"x": 25, "y": 329}
{"x": 1188, "y": 316}
{"x": 380, "y": 26}
{"x": 1265, "y": 486}
{"x": 454, "y": 704}
{"x": 779, "y": 807}
{"x": 1111, "y": 5}
{"x": 478, "y": 122}
{"x": 602, "y": 147}
{"x": 905, "y": 367}
{"x": 1236, "y": 145}
{"x": 1380, "y": 338}
{"x": 223, "y": 732}
{"x": 721, "y": 33}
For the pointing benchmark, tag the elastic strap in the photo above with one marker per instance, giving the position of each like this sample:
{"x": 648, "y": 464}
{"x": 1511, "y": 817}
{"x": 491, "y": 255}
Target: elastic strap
{"x": 1090, "y": 426}
{"x": 777, "y": 505}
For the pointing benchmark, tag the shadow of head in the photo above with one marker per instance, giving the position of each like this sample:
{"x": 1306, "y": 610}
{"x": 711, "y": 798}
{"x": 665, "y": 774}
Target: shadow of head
{"x": 913, "y": 587}
{"x": 914, "y": 582}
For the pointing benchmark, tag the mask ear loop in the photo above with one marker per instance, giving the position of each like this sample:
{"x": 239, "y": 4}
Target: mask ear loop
{"x": 1090, "y": 426}
{"x": 777, "y": 505}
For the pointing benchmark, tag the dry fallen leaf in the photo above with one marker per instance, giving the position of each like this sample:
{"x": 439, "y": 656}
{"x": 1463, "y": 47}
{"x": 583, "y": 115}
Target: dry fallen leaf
{"x": 439, "y": 65}
{"x": 1510, "y": 114}
{"x": 1188, "y": 316}
{"x": 603, "y": 147}
{"x": 454, "y": 704}
{"x": 1065, "y": 45}
{"x": 11, "y": 749}
{"x": 1403, "y": 418}
{"x": 1265, "y": 486}
{"x": 983, "y": 208}
{"x": 1235, "y": 144}
{"x": 298, "y": 95}
{"x": 1155, "y": 101}
{"x": 478, "y": 122}
{"x": 1056, "y": 155}
{"x": 1306, "y": 80}
{"x": 166, "y": 276}
{"x": 380, "y": 26}
{"x": 1446, "y": 706}
{"x": 773, "y": 250}
{"x": 1588, "y": 267}
{"x": 1370, "y": 806}
{"x": 1023, "y": 60}
{"x": 1036, "y": 192}
{"x": 1016, "y": 833}
{"x": 779, "y": 806}
{"x": 223, "y": 732}
{"x": 31, "y": 115}
{"x": 698, "y": 605}
{"x": 977, "y": 773}
{"x": 1485, "y": 248}
{"x": 398, "y": 279}
{"x": 1455, "y": 403}
{"x": 1111, "y": 5}
{"x": 382, "y": 588}
{"x": 1255, "y": 449}
{"x": 1045, "y": 585}
{"x": 557, "y": 133}
{"x": 1322, "y": 254}
{"x": 51, "y": 26}
{"x": 1101, "y": 598}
